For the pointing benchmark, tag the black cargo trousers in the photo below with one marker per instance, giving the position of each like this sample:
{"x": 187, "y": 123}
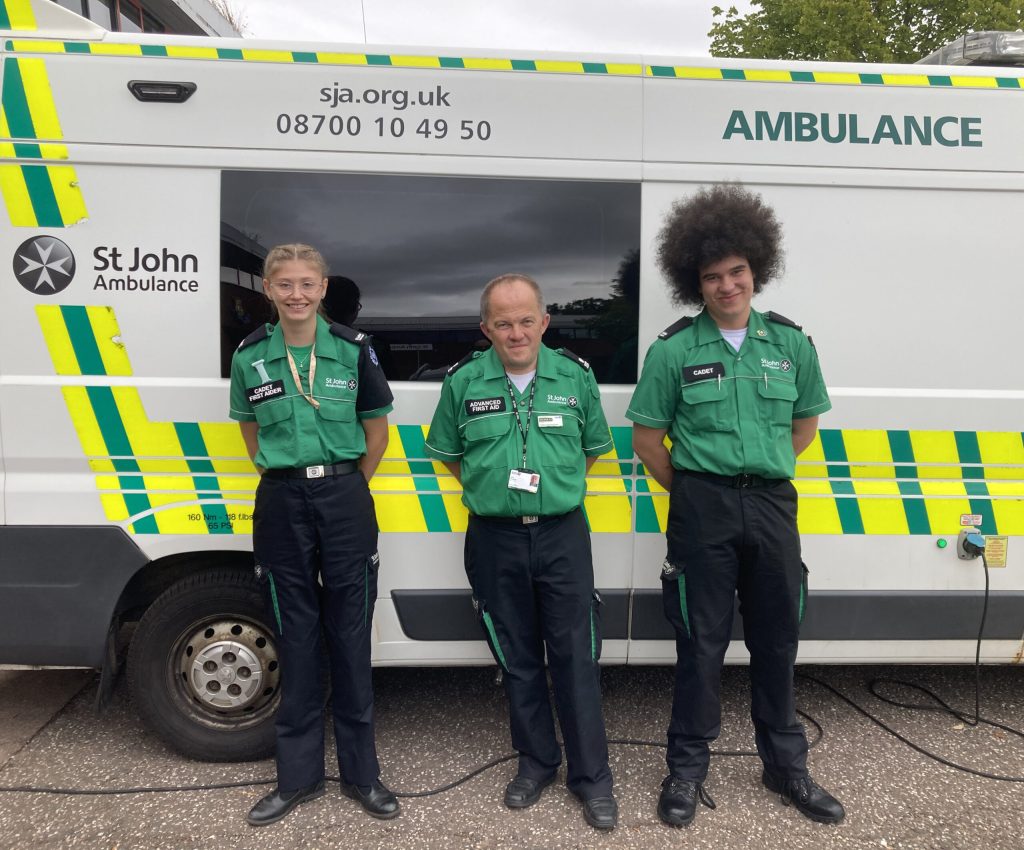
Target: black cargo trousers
{"x": 724, "y": 540}
{"x": 533, "y": 586}
{"x": 326, "y": 528}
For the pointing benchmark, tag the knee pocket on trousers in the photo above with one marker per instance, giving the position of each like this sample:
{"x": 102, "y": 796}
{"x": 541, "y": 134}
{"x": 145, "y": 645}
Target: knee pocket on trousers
{"x": 673, "y": 597}
{"x": 490, "y": 628}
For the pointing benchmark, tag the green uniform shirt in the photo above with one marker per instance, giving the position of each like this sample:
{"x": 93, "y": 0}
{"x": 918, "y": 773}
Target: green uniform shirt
{"x": 729, "y": 412}
{"x": 350, "y": 386}
{"x": 473, "y": 424}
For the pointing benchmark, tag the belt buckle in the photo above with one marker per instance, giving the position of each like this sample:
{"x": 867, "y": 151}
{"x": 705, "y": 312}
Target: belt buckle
{"x": 315, "y": 471}
{"x": 744, "y": 479}
{"x": 530, "y": 520}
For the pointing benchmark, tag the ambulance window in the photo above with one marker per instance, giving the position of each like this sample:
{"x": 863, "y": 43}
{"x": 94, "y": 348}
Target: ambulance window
{"x": 130, "y": 16}
{"x": 420, "y": 249}
{"x": 99, "y": 12}
{"x": 76, "y": 6}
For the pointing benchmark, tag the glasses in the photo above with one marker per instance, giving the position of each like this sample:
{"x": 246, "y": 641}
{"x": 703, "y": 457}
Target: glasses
{"x": 306, "y": 287}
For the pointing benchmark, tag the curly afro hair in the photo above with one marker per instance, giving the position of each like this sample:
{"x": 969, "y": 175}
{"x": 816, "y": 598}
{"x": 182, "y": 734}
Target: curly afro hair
{"x": 722, "y": 221}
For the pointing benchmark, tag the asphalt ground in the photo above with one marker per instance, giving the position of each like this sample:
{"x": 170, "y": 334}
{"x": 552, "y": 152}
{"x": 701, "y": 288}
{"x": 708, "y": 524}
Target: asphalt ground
{"x": 435, "y": 725}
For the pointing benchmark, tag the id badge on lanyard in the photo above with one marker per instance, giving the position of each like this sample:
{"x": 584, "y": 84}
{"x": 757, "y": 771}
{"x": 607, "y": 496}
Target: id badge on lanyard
{"x": 524, "y": 479}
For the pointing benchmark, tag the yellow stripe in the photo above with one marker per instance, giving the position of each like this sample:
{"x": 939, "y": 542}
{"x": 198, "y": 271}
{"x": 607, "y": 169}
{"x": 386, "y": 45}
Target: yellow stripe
{"x": 232, "y": 467}
{"x": 400, "y": 512}
{"x": 58, "y": 341}
{"x": 19, "y": 13}
{"x": 488, "y": 64}
{"x": 819, "y": 516}
{"x": 84, "y": 420}
{"x": 458, "y": 516}
{"x": 179, "y": 51}
{"x": 341, "y": 58}
{"x": 21, "y": 45}
{"x": 173, "y": 518}
{"x": 116, "y": 49}
{"x": 944, "y": 514}
{"x": 392, "y": 484}
{"x": 841, "y": 78}
{"x": 813, "y": 486}
{"x": 974, "y": 82}
{"x": 40, "y": 98}
{"x": 766, "y": 76}
{"x": 1009, "y": 516}
{"x": 16, "y": 197}
{"x": 69, "y": 196}
{"x": 108, "y": 340}
{"x": 223, "y": 439}
{"x": 624, "y": 69}
{"x": 558, "y": 67}
{"x": 53, "y": 151}
{"x": 416, "y": 61}
{"x": 1011, "y": 489}
{"x": 114, "y": 506}
{"x": 6, "y": 148}
{"x": 608, "y": 513}
{"x": 267, "y": 55}
{"x": 147, "y": 438}
{"x": 1001, "y": 447}
{"x": 698, "y": 73}
{"x": 905, "y": 79}
{"x": 883, "y": 516}
{"x": 944, "y": 488}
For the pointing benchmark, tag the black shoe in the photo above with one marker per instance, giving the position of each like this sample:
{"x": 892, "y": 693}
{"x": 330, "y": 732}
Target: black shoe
{"x": 378, "y": 801}
{"x": 809, "y": 797}
{"x": 276, "y": 805}
{"x": 601, "y": 812}
{"x": 677, "y": 805}
{"x": 523, "y": 791}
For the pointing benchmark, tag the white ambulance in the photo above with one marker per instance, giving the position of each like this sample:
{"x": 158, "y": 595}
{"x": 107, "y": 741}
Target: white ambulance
{"x": 144, "y": 178}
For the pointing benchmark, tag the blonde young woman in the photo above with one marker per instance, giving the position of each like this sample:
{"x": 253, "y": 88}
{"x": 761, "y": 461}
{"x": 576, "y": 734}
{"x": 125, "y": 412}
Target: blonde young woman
{"x": 312, "y": 404}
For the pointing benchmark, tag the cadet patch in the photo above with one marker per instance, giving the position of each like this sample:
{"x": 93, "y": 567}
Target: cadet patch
{"x": 265, "y": 392}
{"x": 703, "y": 372}
{"x": 373, "y": 356}
{"x": 476, "y": 406}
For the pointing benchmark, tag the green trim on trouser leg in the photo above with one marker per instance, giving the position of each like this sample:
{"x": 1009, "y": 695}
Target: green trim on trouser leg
{"x": 273, "y": 599}
{"x": 489, "y": 625}
{"x": 366, "y": 591}
{"x": 802, "y": 604}
{"x": 682, "y": 603}
{"x": 593, "y": 635}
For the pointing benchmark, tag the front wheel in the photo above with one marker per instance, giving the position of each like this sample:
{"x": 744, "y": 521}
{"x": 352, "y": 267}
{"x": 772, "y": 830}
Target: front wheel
{"x": 203, "y": 669}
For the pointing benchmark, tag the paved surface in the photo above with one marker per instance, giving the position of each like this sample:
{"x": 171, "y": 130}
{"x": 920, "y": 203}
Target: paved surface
{"x": 437, "y": 724}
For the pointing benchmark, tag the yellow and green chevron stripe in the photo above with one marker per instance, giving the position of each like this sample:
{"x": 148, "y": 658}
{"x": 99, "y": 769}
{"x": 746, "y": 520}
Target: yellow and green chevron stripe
{"x": 17, "y": 15}
{"x": 195, "y": 478}
{"x": 43, "y": 193}
{"x": 545, "y": 66}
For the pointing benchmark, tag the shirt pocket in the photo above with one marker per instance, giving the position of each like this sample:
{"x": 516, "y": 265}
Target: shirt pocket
{"x": 777, "y": 399}
{"x": 337, "y": 411}
{"x": 272, "y": 412}
{"x": 708, "y": 405}
{"x": 561, "y": 442}
{"x": 486, "y": 440}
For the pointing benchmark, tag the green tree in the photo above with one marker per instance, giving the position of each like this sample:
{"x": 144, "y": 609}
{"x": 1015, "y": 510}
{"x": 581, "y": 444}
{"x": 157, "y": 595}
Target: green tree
{"x": 854, "y": 30}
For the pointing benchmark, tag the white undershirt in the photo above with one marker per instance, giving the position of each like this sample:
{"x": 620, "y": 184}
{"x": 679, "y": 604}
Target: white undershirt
{"x": 521, "y": 381}
{"x": 734, "y": 337}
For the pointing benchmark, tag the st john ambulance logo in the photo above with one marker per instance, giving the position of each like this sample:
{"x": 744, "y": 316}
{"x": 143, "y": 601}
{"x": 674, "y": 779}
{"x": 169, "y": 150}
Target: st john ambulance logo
{"x": 44, "y": 265}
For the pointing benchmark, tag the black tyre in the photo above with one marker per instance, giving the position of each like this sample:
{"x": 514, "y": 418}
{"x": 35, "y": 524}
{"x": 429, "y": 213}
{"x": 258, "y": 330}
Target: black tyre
{"x": 203, "y": 669}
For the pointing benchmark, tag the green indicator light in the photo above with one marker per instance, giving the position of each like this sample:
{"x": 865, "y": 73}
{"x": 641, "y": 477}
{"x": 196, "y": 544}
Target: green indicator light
{"x": 941, "y": 543}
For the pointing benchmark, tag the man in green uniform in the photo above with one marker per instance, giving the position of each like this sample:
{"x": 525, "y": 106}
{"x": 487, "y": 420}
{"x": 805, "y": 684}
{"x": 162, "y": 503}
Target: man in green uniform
{"x": 738, "y": 392}
{"x": 519, "y": 425}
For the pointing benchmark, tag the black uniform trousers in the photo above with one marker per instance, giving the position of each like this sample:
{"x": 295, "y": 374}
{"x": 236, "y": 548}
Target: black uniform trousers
{"x": 327, "y": 528}
{"x": 533, "y": 585}
{"x": 723, "y": 541}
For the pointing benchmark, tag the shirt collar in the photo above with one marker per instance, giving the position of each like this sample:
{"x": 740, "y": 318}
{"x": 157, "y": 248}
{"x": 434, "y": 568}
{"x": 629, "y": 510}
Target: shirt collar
{"x": 493, "y": 367}
{"x": 324, "y": 340}
{"x": 708, "y": 332}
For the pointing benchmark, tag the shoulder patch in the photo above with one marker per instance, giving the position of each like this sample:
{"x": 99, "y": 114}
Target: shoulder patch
{"x": 262, "y": 332}
{"x": 456, "y": 366}
{"x": 575, "y": 358}
{"x": 782, "y": 320}
{"x": 349, "y": 334}
{"x": 676, "y": 327}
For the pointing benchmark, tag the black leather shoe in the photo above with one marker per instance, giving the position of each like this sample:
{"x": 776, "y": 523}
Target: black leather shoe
{"x": 276, "y": 805}
{"x": 601, "y": 812}
{"x": 523, "y": 791}
{"x": 378, "y": 801}
{"x": 810, "y": 798}
{"x": 677, "y": 805}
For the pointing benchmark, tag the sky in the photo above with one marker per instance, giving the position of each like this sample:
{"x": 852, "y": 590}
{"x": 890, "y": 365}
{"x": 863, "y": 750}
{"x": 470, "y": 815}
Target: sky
{"x": 660, "y": 27}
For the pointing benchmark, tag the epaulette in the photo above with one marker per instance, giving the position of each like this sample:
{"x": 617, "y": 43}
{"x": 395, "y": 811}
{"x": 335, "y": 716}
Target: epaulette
{"x": 575, "y": 358}
{"x": 676, "y": 327}
{"x": 782, "y": 320}
{"x": 262, "y": 332}
{"x": 456, "y": 366}
{"x": 350, "y": 334}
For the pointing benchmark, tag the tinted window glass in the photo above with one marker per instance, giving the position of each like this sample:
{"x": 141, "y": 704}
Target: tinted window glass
{"x": 99, "y": 12}
{"x": 421, "y": 249}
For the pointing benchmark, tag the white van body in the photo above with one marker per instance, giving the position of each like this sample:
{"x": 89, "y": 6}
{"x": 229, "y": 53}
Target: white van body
{"x": 900, "y": 189}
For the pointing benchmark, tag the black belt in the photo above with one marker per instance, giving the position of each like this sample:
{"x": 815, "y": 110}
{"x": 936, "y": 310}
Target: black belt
{"x": 741, "y": 481}
{"x": 524, "y": 520}
{"x": 319, "y": 471}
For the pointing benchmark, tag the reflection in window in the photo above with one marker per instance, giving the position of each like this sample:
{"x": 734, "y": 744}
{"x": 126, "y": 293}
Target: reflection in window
{"x": 129, "y": 16}
{"x": 422, "y": 248}
{"x": 76, "y": 6}
{"x": 99, "y": 12}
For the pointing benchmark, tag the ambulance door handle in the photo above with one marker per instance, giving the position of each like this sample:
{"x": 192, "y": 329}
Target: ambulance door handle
{"x": 159, "y": 91}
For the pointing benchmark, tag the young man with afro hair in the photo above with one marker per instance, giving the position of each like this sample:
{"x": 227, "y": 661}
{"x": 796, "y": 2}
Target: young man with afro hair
{"x": 738, "y": 392}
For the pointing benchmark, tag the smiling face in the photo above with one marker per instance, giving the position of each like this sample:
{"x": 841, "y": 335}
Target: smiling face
{"x": 296, "y": 288}
{"x": 515, "y": 325}
{"x": 727, "y": 287}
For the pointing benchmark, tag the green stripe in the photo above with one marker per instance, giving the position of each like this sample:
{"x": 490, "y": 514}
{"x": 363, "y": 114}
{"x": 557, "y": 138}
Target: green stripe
{"x": 424, "y": 478}
{"x": 229, "y": 53}
{"x": 451, "y": 62}
{"x": 802, "y": 605}
{"x": 377, "y": 59}
{"x": 622, "y": 440}
{"x": 872, "y": 79}
{"x": 523, "y": 65}
{"x": 154, "y": 50}
{"x": 40, "y": 191}
{"x": 969, "y": 452}
{"x": 662, "y": 71}
{"x": 83, "y": 341}
{"x": 193, "y": 445}
{"x": 15, "y": 102}
{"x": 835, "y": 450}
{"x": 983, "y": 507}
{"x": 914, "y": 509}
{"x": 595, "y": 68}
{"x": 277, "y": 608}
{"x": 5, "y": 21}
{"x": 304, "y": 57}
{"x": 902, "y": 453}
{"x": 593, "y": 634}
{"x": 849, "y": 516}
{"x": 643, "y": 506}
{"x": 730, "y": 74}
{"x": 77, "y": 47}
{"x": 939, "y": 81}
{"x": 27, "y": 151}
{"x": 366, "y": 592}
{"x": 494, "y": 640}
{"x": 1008, "y": 82}
{"x": 683, "y": 607}
{"x": 802, "y": 76}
